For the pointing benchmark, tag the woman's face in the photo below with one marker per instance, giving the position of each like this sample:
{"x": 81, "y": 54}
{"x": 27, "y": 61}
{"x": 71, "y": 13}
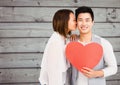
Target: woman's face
{"x": 72, "y": 22}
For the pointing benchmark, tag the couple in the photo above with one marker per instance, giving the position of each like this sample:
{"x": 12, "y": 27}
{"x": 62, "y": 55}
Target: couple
{"x": 56, "y": 69}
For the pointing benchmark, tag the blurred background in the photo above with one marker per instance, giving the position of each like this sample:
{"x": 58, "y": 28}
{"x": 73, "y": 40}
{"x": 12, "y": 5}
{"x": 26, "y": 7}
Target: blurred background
{"x": 26, "y": 25}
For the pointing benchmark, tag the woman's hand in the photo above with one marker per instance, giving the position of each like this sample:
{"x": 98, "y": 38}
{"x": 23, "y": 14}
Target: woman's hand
{"x": 90, "y": 73}
{"x": 73, "y": 37}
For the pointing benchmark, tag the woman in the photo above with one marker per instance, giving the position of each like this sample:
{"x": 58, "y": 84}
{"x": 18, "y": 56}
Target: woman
{"x": 54, "y": 66}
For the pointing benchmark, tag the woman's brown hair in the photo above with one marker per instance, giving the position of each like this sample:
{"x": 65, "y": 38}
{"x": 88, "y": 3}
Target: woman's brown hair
{"x": 60, "y": 21}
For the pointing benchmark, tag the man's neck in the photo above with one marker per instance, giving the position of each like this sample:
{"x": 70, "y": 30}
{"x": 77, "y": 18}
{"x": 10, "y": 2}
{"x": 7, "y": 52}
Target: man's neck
{"x": 85, "y": 38}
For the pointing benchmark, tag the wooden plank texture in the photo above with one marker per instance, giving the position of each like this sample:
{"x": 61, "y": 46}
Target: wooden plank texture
{"x": 115, "y": 43}
{"x": 68, "y": 3}
{"x": 107, "y": 29}
{"x": 22, "y": 45}
{"x": 29, "y": 75}
{"x": 115, "y": 77}
{"x": 45, "y": 29}
{"x": 117, "y": 54}
{"x": 42, "y": 14}
{"x": 26, "y": 25}
{"x": 46, "y": 26}
{"x": 28, "y": 60}
{"x": 23, "y": 60}
{"x": 36, "y": 44}
{"x": 25, "y": 33}
{"x": 108, "y": 83}
{"x": 19, "y": 75}
{"x": 113, "y": 15}
{"x": 20, "y": 83}
{"x": 117, "y": 82}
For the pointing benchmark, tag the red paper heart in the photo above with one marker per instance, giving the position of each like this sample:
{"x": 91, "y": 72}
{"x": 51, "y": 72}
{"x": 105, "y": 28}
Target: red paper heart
{"x": 84, "y": 56}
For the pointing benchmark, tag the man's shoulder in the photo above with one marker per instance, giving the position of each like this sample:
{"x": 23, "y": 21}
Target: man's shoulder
{"x": 97, "y": 36}
{"x": 103, "y": 40}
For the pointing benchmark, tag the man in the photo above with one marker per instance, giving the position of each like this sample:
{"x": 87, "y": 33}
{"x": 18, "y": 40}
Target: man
{"x": 95, "y": 76}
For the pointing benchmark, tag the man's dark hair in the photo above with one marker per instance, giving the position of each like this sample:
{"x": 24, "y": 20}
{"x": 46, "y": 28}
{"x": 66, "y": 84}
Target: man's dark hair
{"x": 84, "y": 9}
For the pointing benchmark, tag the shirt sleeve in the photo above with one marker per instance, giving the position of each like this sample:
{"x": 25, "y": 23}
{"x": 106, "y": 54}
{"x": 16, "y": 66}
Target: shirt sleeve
{"x": 57, "y": 64}
{"x": 53, "y": 64}
{"x": 43, "y": 78}
{"x": 110, "y": 59}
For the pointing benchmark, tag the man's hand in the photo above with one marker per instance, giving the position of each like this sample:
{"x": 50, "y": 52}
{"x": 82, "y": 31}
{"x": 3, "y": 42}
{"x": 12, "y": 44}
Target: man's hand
{"x": 90, "y": 73}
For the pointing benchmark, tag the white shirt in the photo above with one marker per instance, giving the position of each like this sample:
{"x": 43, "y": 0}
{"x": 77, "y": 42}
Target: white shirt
{"x": 54, "y": 64}
{"x": 109, "y": 59}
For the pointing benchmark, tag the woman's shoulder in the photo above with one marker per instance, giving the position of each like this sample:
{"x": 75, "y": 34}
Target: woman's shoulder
{"x": 55, "y": 38}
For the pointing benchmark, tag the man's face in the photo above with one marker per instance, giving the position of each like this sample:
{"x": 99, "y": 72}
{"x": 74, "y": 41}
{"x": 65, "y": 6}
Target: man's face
{"x": 84, "y": 23}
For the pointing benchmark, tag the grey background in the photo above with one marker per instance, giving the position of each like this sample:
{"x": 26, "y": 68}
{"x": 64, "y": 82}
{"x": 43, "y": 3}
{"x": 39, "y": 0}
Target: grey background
{"x": 26, "y": 25}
